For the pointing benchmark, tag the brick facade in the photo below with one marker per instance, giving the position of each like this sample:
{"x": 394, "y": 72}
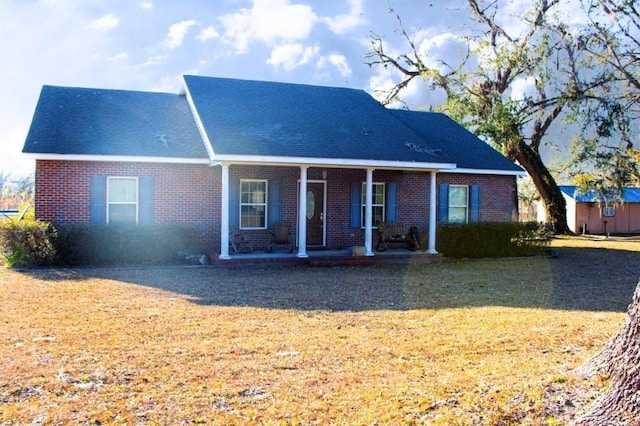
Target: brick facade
{"x": 184, "y": 193}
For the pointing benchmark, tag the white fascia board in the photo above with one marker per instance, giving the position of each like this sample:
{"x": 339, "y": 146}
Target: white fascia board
{"x": 329, "y": 162}
{"x": 198, "y": 120}
{"x": 117, "y": 158}
{"x": 487, "y": 172}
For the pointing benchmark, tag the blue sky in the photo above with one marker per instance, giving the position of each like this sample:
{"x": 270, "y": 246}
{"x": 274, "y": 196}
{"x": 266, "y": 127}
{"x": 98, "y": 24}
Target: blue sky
{"x": 149, "y": 44}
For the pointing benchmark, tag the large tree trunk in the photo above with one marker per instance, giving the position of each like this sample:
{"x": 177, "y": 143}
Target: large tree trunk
{"x": 620, "y": 359}
{"x": 555, "y": 205}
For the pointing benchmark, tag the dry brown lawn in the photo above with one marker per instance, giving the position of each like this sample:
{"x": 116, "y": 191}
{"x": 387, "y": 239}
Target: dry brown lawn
{"x": 475, "y": 342}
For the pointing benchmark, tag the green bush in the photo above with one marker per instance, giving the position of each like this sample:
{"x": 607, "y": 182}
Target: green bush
{"x": 103, "y": 245}
{"x": 27, "y": 242}
{"x": 478, "y": 240}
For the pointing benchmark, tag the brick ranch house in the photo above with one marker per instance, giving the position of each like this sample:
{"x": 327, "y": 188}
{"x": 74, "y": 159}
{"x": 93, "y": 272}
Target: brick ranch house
{"x": 248, "y": 154}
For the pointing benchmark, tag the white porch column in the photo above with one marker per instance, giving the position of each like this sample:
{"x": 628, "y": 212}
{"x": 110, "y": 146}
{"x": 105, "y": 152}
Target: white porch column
{"x": 302, "y": 214}
{"x": 224, "y": 214}
{"x": 432, "y": 214}
{"x": 368, "y": 215}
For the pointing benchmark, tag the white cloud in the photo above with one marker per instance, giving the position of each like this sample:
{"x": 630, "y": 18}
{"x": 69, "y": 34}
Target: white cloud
{"x": 153, "y": 60}
{"x": 177, "y": 33}
{"x": 342, "y": 23}
{"x": 340, "y": 62}
{"x": 292, "y": 55}
{"x": 119, "y": 57}
{"x": 269, "y": 21}
{"x": 448, "y": 48}
{"x": 523, "y": 87}
{"x": 146, "y": 5}
{"x": 104, "y": 23}
{"x": 208, "y": 34}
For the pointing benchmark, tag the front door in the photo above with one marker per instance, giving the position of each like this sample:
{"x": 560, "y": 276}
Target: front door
{"x": 315, "y": 213}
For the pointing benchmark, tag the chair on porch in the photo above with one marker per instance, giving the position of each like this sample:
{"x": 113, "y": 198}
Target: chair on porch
{"x": 281, "y": 234}
{"x": 239, "y": 240}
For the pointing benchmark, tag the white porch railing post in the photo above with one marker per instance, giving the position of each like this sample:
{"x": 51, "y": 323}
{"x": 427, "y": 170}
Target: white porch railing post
{"x": 368, "y": 215}
{"x": 432, "y": 214}
{"x": 302, "y": 214}
{"x": 224, "y": 214}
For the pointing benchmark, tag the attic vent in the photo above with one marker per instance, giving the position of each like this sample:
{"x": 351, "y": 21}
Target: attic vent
{"x": 415, "y": 148}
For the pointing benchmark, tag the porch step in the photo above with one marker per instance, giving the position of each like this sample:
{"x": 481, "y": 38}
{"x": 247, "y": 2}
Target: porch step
{"x": 402, "y": 257}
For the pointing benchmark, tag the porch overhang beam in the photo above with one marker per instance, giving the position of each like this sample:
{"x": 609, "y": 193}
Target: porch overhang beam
{"x": 344, "y": 163}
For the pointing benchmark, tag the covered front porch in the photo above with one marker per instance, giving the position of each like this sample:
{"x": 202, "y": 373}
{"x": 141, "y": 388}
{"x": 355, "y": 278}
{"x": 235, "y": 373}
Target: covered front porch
{"x": 299, "y": 217}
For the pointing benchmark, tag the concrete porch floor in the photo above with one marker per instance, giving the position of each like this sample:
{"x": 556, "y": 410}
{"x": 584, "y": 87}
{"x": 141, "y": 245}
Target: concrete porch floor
{"x": 324, "y": 258}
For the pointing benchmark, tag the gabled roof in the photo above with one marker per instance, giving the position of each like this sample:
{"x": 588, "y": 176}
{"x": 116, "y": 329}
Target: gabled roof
{"x": 252, "y": 122}
{"x": 457, "y": 144}
{"x": 97, "y": 122}
{"x": 630, "y": 195}
{"x": 244, "y": 119}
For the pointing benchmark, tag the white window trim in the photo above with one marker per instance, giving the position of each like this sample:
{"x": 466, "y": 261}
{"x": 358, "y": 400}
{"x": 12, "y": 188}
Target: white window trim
{"x": 466, "y": 205}
{"x": 136, "y": 203}
{"x": 265, "y": 204}
{"x": 363, "y": 203}
{"x": 608, "y": 211}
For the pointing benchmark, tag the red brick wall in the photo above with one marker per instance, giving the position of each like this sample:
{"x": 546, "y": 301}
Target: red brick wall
{"x": 182, "y": 193}
{"x": 188, "y": 194}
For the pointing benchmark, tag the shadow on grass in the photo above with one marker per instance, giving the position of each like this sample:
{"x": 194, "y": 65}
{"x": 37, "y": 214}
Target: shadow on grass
{"x": 578, "y": 279}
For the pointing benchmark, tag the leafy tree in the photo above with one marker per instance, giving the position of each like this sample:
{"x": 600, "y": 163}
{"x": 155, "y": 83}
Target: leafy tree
{"x": 605, "y": 147}
{"x": 480, "y": 89}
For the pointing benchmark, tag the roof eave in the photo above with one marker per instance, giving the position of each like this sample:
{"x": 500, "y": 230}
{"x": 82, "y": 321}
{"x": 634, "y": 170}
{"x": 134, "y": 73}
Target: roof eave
{"x": 488, "y": 172}
{"x": 116, "y": 158}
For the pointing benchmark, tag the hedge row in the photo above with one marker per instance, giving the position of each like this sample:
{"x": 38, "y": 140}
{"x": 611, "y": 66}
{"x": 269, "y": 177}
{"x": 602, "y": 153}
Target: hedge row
{"x": 32, "y": 243}
{"x": 483, "y": 240}
{"x": 105, "y": 245}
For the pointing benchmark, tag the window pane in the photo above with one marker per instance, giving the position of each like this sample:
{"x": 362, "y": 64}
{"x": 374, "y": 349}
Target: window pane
{"x": 377, "y": 203}
{"x": 458, "y": 195}
{"x": 378, "y": 214}
{"x": 122, "y": 213}
{"x": 457, "y": 215}
{"x": 252, "y": 217}
{"x": 123, "y": 190}
{"x": 253, "y": 192}
{"x": 378, "y": 194}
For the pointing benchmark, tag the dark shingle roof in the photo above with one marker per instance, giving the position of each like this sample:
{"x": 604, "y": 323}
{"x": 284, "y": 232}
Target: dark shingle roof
{"x": 630, "y": 195}
{"x": 458, "y": 145}
{"x": 243, "y": 117}
{"x": 79, "y": 121}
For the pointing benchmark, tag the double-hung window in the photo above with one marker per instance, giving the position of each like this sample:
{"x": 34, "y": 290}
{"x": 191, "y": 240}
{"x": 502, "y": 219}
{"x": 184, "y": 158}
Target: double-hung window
{"x": 122, "y": 200}
{"x": 377, "y": 203}
{"x": 253, "y": 204}
{"x": 458, "y": 204}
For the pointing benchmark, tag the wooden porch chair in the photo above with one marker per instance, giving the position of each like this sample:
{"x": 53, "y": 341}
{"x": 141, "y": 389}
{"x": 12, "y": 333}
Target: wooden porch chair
{"x": 239, "y": 241}
{"x": 281, "y": 234}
